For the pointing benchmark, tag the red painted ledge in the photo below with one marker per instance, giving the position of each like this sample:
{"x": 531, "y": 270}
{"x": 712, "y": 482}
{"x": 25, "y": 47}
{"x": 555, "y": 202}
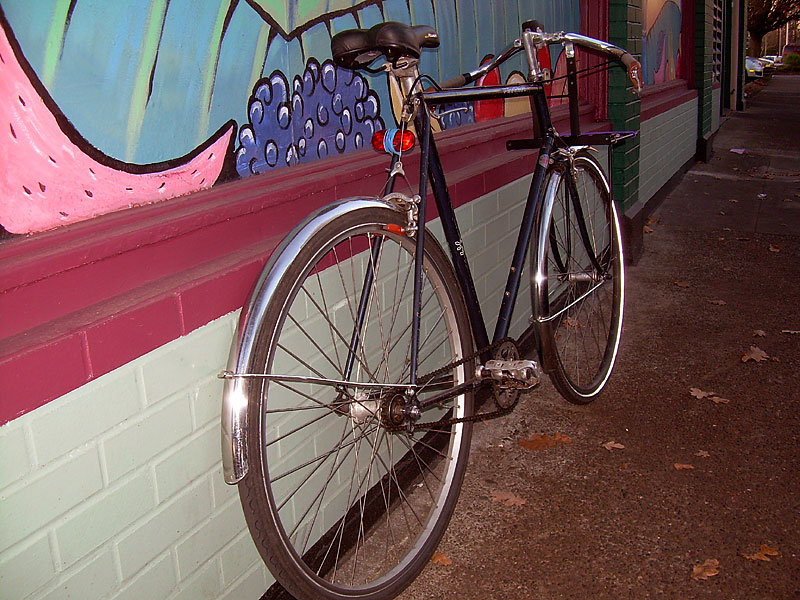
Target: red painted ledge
{"x": 80, "y": 301}
{"x": 657, "y": 99}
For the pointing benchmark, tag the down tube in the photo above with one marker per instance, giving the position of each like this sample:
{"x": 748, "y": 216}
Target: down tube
{"x": 454, "y": 242}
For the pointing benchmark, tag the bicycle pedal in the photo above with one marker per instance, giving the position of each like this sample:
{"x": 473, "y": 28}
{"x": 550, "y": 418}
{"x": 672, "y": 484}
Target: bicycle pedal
{"x": 515, "y": 374}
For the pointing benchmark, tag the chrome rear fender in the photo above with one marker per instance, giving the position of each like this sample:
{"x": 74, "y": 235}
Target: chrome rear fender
{"x": 234, "y": 395}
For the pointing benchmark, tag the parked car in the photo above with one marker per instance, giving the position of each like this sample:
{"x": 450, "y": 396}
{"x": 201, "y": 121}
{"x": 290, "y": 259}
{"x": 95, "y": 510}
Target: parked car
{"x": 753, "y": 69}
{"x": 768, "y": 65}
{"x": 791, "y": 49}
{"x": 775, "y": 58}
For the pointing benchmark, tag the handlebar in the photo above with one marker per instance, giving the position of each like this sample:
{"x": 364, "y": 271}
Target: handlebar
{"x": 539, "y": 38}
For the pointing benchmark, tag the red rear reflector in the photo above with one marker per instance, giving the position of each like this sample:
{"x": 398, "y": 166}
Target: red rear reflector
{"x": 396, "y": 229}
{"x": 401, "y": 141}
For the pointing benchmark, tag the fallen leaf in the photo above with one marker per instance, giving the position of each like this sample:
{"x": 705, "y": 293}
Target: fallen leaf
{"x": 704, "y": 570}
{"x": 683, "y": 467}
{"x": 652, "y": 220}
{"x": 734, "y": 200}
{"x": 507, "y": 498}
{"x": 774, "y": 248}
{"x": 717, "y": 302}
{"x": 718, "y": 400}
{"x": 759, "y": 333}
{"x": 440, "y": 558}
{"x": 727, "y": 229}
{"x": 647, "y": 229}
{"x": 571, "y": 323}
{"x": 702, "y": 453}
{"x": 700, "y": 394}
{"x": 612, "y": 445}
{"x": 763, "y": 553}
{"x": 790, "y": 331}
{"x": 739, "y": 150}
{"x": 755, "y": 354}
{"x": 560, "y": 437}
{"x": 537, "y": 442}
{"x": 681, "y": 284}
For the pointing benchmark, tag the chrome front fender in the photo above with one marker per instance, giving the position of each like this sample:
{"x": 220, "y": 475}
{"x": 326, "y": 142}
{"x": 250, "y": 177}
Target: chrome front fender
{"x": 234, "y": 395}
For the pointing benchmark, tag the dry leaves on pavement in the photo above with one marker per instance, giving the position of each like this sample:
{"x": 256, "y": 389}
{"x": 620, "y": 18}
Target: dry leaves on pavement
{"x": 759, "y": 333}
{"x": 611, "y": 445}
{"x": 507, "y": 498}
{"x": 702, "y": 453}
{"x": 440, "y": 558}
{"x": 763, "y": 553}
{"x": 681, "y": 284}
{"x": 717, "y": 302}
{"x": 755, "y": 354}
{"x": 683, "y": 467}
{"x": 540, "y": 442}
{"x": 706, "y": 569}
{"x": 700, "y": 394}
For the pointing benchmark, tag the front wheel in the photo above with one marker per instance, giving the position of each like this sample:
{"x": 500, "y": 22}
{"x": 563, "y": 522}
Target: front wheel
{"x": 342, "y": 503}
{"x": 578, "y": 283}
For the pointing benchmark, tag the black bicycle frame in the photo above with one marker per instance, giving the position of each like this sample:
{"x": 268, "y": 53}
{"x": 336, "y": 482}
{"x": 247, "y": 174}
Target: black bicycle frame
{"x": 431, "y": 170}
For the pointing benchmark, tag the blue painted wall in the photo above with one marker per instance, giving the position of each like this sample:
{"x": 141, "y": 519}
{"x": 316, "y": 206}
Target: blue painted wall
{"x": 149, "y": 80}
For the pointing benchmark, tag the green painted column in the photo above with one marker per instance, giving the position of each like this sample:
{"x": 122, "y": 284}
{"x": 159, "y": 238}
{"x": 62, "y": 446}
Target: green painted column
{"x": 625, "y": 30}
{"x": 704, "y": 75}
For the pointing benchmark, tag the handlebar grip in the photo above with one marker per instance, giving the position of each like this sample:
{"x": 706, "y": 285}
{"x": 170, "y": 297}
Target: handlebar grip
{"x": 634, "y": 71}
{"x": 455, "y": 82}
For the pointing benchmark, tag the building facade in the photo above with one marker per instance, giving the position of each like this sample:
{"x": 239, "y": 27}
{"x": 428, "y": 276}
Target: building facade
{"x": 157, "y": 151}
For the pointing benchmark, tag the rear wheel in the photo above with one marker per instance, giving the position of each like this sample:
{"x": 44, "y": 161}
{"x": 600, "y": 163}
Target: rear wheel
{"x": 340, "y": 502}
{"x": 578, "y": 283}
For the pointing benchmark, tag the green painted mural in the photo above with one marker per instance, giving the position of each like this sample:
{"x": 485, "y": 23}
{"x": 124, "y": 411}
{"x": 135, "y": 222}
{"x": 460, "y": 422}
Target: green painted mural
{"x": 135, "y": 84}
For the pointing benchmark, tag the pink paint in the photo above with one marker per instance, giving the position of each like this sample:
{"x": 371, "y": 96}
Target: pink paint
{"x": 50, "y": 177}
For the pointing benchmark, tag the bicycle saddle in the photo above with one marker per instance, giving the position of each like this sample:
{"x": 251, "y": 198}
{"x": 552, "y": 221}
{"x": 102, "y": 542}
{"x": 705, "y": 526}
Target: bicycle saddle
{"x": 357, "y": 48}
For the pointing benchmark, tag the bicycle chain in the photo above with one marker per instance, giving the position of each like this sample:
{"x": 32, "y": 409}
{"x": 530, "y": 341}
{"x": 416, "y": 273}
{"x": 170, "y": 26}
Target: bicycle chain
{"x": 500, "y": 412}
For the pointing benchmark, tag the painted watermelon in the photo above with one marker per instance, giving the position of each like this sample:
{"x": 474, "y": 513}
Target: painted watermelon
{"x": 52, "y": 176}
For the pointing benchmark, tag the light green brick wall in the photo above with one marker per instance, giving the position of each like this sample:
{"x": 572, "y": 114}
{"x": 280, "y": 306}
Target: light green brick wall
{"x": 115, "y": 491}
{"x": 716, "y": 101}
{"x": 667, "y": 141}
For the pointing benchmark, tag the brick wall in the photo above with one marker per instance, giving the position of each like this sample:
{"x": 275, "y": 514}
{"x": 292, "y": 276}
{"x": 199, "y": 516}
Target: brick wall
{"x": 625, "y": 30}
{"x": 667, "y": 142}
{"x": 704, "y": 14}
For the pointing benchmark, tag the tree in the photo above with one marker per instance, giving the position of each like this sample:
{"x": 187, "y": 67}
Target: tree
{"x": 764, "y": 16}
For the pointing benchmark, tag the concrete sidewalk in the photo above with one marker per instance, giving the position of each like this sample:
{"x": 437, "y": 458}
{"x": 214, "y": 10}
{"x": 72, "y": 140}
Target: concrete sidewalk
{"x": 696, "y": 479}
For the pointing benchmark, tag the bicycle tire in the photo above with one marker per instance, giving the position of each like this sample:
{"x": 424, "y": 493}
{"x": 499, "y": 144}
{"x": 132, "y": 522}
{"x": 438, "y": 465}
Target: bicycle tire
{"x": 361, "y": 516}
{"x": 579, "y": 283}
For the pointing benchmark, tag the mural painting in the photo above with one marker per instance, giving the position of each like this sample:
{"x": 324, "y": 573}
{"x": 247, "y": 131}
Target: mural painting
{"x": 662, "y": 41}
{"x": 111, "y": 105}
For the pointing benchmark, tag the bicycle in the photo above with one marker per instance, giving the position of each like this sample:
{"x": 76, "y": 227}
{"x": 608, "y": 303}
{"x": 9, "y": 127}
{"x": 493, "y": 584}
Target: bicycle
{"x": 350, "y": 391}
